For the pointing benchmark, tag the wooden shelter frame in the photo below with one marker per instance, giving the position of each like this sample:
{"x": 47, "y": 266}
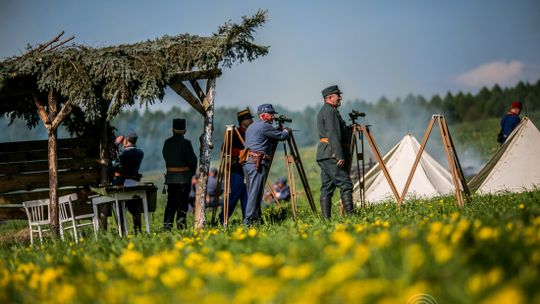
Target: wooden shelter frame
{"x": 184, "y": 83}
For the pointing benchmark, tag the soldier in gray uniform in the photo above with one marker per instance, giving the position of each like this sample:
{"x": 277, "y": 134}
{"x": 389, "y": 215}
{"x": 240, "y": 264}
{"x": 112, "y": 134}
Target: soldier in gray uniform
{"x": 333, "y": 153}
{"x": 181, "y": 165}
{"x": 261, "y": 138}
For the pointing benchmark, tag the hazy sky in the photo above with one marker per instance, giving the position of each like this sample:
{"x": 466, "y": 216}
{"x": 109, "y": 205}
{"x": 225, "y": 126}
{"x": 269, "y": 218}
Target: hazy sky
{"x": 369, "y": 48}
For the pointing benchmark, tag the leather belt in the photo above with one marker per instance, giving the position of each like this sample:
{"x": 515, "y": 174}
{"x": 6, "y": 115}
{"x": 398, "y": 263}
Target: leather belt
{"x": 177, "y": 169}
{"x": 325, "y": 140}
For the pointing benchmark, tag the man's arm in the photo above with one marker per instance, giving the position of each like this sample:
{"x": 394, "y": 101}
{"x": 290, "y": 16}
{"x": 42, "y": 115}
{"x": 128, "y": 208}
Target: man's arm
{"x": 274, "y": 133}
{"x": 334, "y": 135}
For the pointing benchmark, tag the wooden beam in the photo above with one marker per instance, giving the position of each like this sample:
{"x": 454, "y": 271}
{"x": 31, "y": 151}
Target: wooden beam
{"x": 196, "y": 75}
{"x": 183, "y": 91}
{"x": 66, "y": 109}
{"x": 81, "y": 177}
{"x": 197, "y": 88}
{"x": 41, "y": 112}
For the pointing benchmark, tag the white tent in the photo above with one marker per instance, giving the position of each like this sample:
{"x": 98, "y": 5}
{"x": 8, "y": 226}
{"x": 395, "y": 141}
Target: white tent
{"x": 430, "y": 179}
{"x": 515, "y": 166}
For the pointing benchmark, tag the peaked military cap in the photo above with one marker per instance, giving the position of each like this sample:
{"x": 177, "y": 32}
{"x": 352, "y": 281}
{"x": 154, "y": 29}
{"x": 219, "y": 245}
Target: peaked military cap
{"x": 266, "y": 108}
{"x": 179, "y": 124}
{"x": 331, "y": 90}
{"x": 244, "y": 114}
{"x": 131, "y": 137}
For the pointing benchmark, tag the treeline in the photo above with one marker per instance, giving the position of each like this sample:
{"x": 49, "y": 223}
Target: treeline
{"x": 390, "y": 119}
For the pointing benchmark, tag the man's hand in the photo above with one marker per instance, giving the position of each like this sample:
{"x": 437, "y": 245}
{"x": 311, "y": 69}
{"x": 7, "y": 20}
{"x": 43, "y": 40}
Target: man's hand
{"x": 119, "y": 139}
{"x": 340, "y": 162}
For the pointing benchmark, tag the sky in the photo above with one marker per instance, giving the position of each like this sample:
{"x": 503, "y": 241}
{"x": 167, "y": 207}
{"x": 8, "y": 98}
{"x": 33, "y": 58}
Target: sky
{"x": 369, "y": 48}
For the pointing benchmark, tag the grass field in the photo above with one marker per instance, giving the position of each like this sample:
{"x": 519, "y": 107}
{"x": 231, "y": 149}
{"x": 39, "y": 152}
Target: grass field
{"x": 487, "y": 252}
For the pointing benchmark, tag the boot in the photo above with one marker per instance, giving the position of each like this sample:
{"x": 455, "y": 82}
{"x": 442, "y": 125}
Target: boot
{"x": 326, "y": 206}
{"x": 347, "y": 202}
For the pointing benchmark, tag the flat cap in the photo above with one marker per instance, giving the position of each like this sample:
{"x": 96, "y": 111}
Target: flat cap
{"x": 331, "y": 90}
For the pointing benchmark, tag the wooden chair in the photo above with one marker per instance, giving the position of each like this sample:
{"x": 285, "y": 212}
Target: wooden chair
{"x": 69, "y": 220}
{"x": 37, "y": 212}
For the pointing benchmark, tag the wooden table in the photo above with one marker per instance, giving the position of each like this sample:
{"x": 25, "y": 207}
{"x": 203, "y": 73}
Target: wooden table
{"x": 118, "y": 195}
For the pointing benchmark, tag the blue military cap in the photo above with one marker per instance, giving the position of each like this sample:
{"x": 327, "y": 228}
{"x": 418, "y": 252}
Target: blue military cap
{"x": 266, "y": 108}
{"x": 331, "y": 90}
{"x": 282, "y": 180}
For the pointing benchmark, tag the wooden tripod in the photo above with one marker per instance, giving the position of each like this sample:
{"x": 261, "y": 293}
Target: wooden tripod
{"x": 358, "y": 133}
{"x": 224, "y": 174}
{"x": 293, "y": 158}
{"x": 458, "y": 178}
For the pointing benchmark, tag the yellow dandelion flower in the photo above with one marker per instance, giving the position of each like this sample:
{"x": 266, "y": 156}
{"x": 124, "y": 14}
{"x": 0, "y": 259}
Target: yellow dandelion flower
{"x": 299, "y": 272}
{"x": 252, "y": 232}
{"x": 506, "y": 295}
{"x": 101, "y": 276}
{"x": 65, "y": 293}
{"x": 173, "y": 277}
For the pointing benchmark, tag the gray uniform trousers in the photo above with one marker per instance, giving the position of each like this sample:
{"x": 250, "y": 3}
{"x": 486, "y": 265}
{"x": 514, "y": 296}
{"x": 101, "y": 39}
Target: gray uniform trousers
{"x": 256, "y": 179}
{"x": 332, "y": 176}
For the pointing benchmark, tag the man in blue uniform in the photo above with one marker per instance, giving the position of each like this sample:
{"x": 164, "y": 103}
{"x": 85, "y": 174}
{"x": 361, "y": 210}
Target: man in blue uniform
{"x": 261, "y": 137}
{"x": 238, "y": 187}
{"x": 127, "y": 168}
{"x": 333, "y": 152}
{"x": 509, "y": 121}
{"x": 181, "y": 165}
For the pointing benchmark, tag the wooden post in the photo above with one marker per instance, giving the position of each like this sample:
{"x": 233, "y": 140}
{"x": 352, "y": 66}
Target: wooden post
{"x": 51, "y": 121}
{"x": 104, "y": 139}
{"x": 53, "y": 165}
{"x": 205, "y": 156}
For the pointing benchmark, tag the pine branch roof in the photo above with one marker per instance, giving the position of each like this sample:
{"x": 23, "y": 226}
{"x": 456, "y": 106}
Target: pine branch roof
{"x": 122, "y": 74}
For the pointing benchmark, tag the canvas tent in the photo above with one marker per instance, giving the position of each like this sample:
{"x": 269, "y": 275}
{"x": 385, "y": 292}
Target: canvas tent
{"x": 430, "y": 179}
{"x": 515, "y": 166}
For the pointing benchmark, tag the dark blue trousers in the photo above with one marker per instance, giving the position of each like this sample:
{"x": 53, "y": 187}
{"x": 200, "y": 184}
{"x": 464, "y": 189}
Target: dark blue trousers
{"x": 255, "y": 188}
{"x": 238, "y": 192}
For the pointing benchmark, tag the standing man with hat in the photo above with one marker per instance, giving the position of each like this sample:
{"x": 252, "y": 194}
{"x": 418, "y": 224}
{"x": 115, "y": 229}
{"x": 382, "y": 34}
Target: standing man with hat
{"x": 510, "y": 121}
{"x": 126, "y": 169}
{"x": 333, "y": 153}
{"x": 181, "y": 165}
{"x": 238, "y": 187}
{"x": 261, "y": 138}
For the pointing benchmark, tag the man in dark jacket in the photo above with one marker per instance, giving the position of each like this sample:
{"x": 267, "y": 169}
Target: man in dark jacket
{"x": 510, "y": 121}
{"x": 181, "y": 165}
{"x": 261, "y": 137}
{"x": 333, "y": 152}
{"x": 127, "y": 168}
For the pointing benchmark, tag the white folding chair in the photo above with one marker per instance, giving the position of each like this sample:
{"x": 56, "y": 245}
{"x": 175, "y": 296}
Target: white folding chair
{"x": 69, "y": 221}
{"x": 37, "y": 212}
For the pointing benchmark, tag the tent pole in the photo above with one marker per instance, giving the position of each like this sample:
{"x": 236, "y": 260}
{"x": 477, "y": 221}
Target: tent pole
{"x": 417, "y": 160}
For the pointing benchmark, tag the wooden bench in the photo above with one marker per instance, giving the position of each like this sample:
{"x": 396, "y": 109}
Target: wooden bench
{"x": 24, "y": 172}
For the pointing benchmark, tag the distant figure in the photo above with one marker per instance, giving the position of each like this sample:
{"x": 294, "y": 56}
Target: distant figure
{"x": 281, "y": 189}
{"x": 238, "y": 187}
{"x": 193, "y": 192}
{"x": 212, "y": 195}
{"x": 509, "y": 122}
{"x": 181, "y": 165}
{"x": 126, "y": 170}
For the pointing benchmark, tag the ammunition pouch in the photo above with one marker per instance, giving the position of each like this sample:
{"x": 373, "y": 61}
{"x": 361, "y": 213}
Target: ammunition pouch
{"x": 258, "y": 157}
